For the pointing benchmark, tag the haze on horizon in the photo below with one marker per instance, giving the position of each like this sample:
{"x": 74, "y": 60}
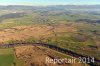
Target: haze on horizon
{"x": 49, "y": 2}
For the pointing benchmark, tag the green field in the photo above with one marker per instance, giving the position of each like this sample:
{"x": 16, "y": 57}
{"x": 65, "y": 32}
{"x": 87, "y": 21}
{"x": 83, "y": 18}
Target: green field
{"x": 7, "y": 57}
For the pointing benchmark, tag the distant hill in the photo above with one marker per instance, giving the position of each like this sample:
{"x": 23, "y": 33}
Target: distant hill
{"x": 88, "y": 20}
{"x": 77, "y": 13}
{"x": 54, "y": 7}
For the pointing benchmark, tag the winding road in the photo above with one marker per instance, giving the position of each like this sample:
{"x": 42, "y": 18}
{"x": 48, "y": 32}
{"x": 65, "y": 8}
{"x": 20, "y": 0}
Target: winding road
{"x": 65, "y": 51}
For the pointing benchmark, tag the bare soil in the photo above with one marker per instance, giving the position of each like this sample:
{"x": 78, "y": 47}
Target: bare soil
{"x": 36, "y": 56}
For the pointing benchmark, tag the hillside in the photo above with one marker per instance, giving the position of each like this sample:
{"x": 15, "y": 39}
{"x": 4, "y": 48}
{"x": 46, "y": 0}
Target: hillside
{"x": 71, "y": 27}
